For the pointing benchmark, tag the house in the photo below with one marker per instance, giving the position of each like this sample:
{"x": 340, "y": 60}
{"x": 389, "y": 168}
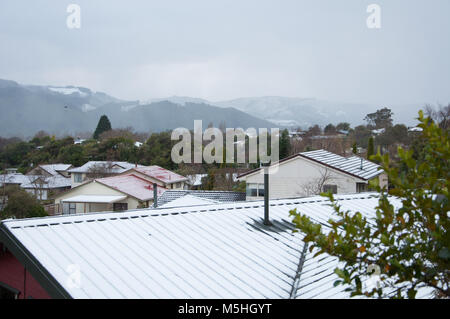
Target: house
{"x": 161, "y": 176}
{"x": 116, "y": 193}
{"x": 97, "y": 169}
{"x": 42, "y": 186}
{"x": 310, "y": 173}
{"x": 221, "y": 251}
{"x": 51, "y": 170}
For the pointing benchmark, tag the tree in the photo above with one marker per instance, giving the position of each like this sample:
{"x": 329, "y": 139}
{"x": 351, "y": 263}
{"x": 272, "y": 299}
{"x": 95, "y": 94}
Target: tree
{"x": 103, "y": 125}
{"x": 330, "y": 129}
{"x": 355, "y": 148}
{"x": 380, "y": 119}
{"x": 343, "y": 126}
{"x": 370, "y": 148}
{"x": 21, "y": 204}
{"x": 409, "y": 245}
{"x": 285, "y": 144}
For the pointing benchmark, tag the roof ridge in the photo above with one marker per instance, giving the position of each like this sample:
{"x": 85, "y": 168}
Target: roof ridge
{"x": 195, "y": 209}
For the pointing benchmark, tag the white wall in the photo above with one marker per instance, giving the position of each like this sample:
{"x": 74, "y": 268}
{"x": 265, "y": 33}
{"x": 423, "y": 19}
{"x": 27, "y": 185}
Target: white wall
{"x": 294, "y": 175}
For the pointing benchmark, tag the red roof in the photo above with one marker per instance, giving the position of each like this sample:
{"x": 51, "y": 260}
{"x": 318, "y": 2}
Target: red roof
{"x": 160, "y": 173}
{"x": 132, "y": 185}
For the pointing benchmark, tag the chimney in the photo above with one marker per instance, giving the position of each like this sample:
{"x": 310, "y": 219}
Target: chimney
{"x": 155, "y": 195}
{"x": 266, "y": 195}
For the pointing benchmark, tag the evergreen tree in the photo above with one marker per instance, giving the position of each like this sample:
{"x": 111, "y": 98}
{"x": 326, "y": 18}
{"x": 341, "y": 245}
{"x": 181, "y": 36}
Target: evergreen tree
{"x": 355, "y": 148}
{"x": 103, "y": 125}
{"x": 370, "y": 148}
{"x": 285, "y": 144}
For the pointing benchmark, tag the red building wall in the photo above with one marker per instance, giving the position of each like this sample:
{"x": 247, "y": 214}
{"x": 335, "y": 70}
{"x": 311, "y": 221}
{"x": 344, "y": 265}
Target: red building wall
{"x": 13, "y": 274}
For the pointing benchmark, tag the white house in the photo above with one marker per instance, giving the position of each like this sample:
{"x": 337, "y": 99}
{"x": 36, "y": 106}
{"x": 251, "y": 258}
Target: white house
{"x": 116, "y": 193}
{"x": 97, "y": 169}
{"x": 310, "y": 173}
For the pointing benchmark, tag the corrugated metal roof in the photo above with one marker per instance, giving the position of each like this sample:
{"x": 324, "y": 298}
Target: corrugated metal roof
{"x": 219, "y": 196}
{"x": 216, "y": 251}
{"x": 132, "y": 185}
{"x": 189, "y": 200}
{"x": 54, "y": 169}
{"x": 112, "y": 167}
{"x": 351, "y": 165}
{"x": 160, "y": 173}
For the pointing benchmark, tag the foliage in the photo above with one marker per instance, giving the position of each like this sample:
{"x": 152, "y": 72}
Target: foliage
{"x": 370, "y": 147}
{"x": 285, "y": 144}
{"x": 103, "y": 125}
{"x": 21, "y": 204}
{"x": 409, "y": 245}
{"x": 380, "y": 119}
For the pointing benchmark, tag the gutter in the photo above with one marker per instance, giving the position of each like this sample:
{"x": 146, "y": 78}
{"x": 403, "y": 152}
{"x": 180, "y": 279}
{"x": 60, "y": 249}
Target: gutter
{"x": 32, "y": 265}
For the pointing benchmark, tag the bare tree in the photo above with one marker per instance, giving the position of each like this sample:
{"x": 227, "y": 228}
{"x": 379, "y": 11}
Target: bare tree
{"x": 100, "y": 170}
{"x": 315, "y": 186}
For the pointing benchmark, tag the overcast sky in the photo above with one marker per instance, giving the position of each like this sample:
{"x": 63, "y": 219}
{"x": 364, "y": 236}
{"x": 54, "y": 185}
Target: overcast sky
{"x": 224, "y": 49}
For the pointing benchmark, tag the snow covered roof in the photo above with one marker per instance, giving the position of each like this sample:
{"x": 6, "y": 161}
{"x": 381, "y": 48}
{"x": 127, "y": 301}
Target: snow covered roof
{"x": 16, "y": 178}
{"x": 219, "y": 196}
{"x": 215, "y": 251}
{"x": 54, "y": 169}
{"x": 160, "y": 173}
{"x": 131, "y": 185}
{"x": 349, "y": 165}
{"x": 42, "y": 182}
{"x": 189, "y": 200}
{"x": 94, "y": 199}
{"x": 112, "y": 167}
{"x": 28, "y": 181}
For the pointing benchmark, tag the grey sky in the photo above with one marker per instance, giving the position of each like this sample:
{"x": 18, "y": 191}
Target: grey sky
{"x": 224, "y": 49}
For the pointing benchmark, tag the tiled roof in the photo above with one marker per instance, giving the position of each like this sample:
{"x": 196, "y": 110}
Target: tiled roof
{"x": 132, "y": 185}
{"x": 215, "y": 251}
{"x": 160, "y": 173}
{"x": 219, "y": 196}
{"x": 348, "y": 165}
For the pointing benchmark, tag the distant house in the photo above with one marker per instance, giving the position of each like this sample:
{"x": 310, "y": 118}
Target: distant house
{"x": 98, "y": 169}
{"x": 310, "y": 173}
{"x": 221, "y": 251}
{"x": 51, "y": 170}
{"x": 42, "y": 181}
{"x": 116, "y": 193}
{"x": 161, "y": 176}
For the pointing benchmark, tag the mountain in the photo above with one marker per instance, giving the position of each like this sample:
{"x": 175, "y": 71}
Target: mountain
{"x": 304, "y": 112}
{"x": 59, "y": 110}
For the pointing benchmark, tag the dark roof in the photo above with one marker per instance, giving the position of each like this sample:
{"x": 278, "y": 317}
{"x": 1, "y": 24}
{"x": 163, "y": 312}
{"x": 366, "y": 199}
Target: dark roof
{"x": 219, "y": 196}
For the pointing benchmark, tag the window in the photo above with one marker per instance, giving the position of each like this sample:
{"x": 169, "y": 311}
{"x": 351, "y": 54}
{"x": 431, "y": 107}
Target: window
{"x": 77, "y": 178}
{"x": 252, "y": 190}
{"x": 261, "y": 190}
{"x": 118, "y": 207}
{"x": 361, "y": 187}
{"x": 330, "y": 188}
{"x": 255, "y": 190}
{"x": 72, "y": 208}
